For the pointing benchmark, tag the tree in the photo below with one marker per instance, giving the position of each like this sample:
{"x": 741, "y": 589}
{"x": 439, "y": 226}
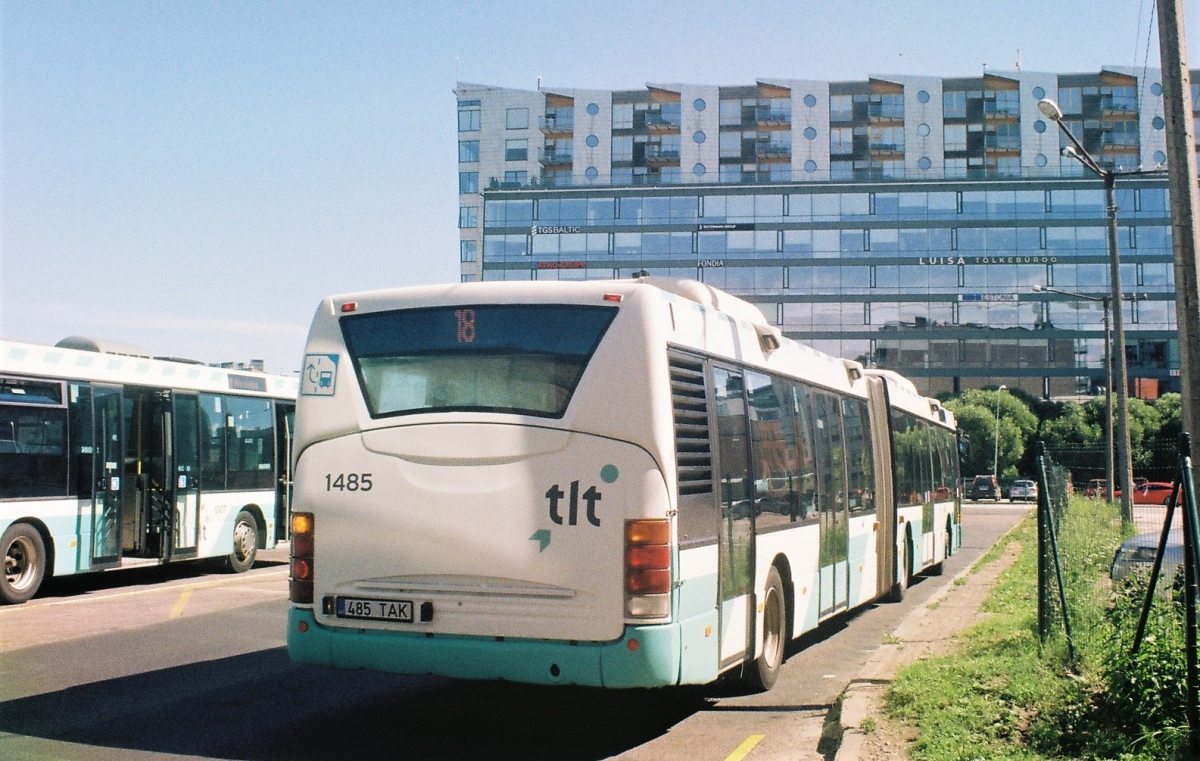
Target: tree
{"x": 975, "y": 411}
{"x": 1170, "y": 416}
{"x": 1071, "y": 426}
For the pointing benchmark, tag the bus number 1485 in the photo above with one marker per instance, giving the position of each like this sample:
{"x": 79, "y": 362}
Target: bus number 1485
{"x": 348, "y": 482}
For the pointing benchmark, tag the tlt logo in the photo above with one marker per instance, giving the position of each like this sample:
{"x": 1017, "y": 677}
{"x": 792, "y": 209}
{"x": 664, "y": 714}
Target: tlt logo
{"x": 591, "y": 497}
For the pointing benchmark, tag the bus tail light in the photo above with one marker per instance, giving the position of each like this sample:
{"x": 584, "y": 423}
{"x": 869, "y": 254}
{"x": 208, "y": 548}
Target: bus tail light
{"x": 300, "y": 581}
{"x": 647, "y": 568}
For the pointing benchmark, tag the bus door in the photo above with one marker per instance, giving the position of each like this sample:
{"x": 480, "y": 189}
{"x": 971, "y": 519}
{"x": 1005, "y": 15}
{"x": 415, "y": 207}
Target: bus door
{"x": 831, "y": 502}
{"x": 736, "y": 540}
{"x": 145, "y": 517}
{"x": 185, "y": 475}
{"x": 107, "y": 469}
{"x": 285, "y": 417}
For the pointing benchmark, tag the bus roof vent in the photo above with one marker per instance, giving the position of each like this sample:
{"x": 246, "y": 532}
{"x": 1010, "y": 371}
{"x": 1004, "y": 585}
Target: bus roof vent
{"x": 692, "y": 446}
{"x": 854, "y": 369}
{"x": 83, "y": 343}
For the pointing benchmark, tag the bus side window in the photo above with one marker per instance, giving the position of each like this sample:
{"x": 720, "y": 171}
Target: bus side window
{"x": 831, "y": 451}
{"x": 806, "y": 475}
{"x": 81, "y": 432}
{"x": 251, "y": 443}
{"x": 33, "y": 455}
{"x": 212, "y": 442}
{"x": 773, "y": 460}
{"x": 861, "y": 470}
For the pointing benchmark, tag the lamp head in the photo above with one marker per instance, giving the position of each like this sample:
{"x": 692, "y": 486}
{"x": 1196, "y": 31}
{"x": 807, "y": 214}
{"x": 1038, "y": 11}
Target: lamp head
{"x": 1050, "y": 109}
{"x": 1036, "y": 288}
{"x": 1070, "y": 153}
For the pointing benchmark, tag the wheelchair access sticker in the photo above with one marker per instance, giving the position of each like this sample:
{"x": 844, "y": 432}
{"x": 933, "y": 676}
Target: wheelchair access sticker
{"x": 319, "y": 375}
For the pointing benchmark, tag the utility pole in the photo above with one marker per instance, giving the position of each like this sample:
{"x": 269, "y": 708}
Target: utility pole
{"x": 1181, "y": 172}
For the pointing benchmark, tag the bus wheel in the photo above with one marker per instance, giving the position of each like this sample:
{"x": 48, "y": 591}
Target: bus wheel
{"x": 24, "y": 563}
{"x": 245, "y": 544}
{"x": 763, "y": 673}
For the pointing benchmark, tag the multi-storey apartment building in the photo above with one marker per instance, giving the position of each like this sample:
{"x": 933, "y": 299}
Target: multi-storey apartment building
{"x": 902, "y": 221}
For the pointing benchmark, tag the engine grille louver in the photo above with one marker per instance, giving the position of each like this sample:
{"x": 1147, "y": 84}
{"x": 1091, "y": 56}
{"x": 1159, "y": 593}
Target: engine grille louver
{"x": 693, "y": 449}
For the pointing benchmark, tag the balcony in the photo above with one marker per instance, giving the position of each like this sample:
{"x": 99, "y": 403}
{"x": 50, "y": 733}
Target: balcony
{"x": 875, "y": 149}
{"x": 658, "y": 155}
{"x": 500, "y": 183}
{"x": 556, "y": 125}
{"x": 555, "y": 157}
{"x": 1004, "y": 110}
{"x": 774, "y": 150}
{"x": 767, "y": 117}
{"x": 879, "y": 112}
{"x": 1002, "y": 142}
{"x": 656, "y": 122}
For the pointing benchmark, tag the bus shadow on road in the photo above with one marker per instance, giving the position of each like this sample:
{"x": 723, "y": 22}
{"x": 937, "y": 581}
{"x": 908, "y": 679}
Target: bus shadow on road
{"x": 71, "y": 586}
{"x": 261, "y": 707}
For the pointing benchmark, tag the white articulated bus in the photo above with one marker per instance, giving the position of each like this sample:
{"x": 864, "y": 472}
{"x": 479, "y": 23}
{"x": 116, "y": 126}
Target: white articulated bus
{"x": 620, "y": 484}
{"x": 113, "y": 459}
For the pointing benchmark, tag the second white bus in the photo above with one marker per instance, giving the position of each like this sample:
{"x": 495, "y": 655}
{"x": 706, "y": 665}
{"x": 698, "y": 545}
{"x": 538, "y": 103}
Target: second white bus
{"x": 618, "y": 484}
{"x": 114, "y": 460}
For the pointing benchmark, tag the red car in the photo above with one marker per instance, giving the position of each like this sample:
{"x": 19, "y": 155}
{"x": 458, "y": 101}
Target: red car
{"x": 1149, "y": 493}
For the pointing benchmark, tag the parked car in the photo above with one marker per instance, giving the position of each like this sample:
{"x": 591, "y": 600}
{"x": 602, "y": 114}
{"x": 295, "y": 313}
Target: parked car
{"x": 985, "y": 487}
{"x": 1096, "y": 487}
{"x": 1023, "y": 490}
{"x": 1137, "y": 554}
{"x": 1150, "y": 493}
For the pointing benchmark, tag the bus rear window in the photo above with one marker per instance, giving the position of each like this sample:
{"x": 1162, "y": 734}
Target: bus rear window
{"x": 523, "y": 359}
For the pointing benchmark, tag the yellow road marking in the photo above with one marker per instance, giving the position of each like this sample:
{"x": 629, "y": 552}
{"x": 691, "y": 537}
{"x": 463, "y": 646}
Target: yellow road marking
{"x": 744, "y": 749}
{"x": 184, "y": 596}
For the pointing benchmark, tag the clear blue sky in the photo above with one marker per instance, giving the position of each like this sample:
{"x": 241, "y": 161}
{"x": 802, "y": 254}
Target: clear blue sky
{"x": 194, "y": 177}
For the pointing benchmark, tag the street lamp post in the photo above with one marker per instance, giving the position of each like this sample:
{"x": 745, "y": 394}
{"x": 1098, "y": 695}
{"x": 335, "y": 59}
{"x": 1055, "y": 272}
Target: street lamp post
{"x": 1076, "y": 151}
{"x": 1108, "y": 381}
{"x": 996, "y": 458}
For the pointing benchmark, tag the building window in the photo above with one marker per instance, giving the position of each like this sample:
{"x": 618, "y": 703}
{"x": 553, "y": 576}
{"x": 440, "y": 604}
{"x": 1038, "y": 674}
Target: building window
{"x": 622, "y": 148}
{"x": 468, "y": 116}
{"x": 468, "y": 150}
{"x": 468, "y": 217}
{"x": 622, "y": 116}
{"x": 516, "y": 150}
{"x": 466, "y": 250}
{"x": 468, "y": 182}
{"x": 1070, "y": 100}
{"x": 841, "y": 108}
{"x": 954, "y": 137}
{"x": 841, "y": 141}
{"x": 956, "y": 167}
{"x": 954, "y": 105}
{"x": 516, "y": 179}
{"x": 516, "y": 118}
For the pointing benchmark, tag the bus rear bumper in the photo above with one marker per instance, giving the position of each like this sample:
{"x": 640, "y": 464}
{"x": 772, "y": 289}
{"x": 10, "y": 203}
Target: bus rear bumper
{"x": 646, "y": 656}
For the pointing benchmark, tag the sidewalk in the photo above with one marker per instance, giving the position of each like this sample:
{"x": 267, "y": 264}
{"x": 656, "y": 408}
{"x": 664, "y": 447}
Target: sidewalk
{"x": 928, "y": 631}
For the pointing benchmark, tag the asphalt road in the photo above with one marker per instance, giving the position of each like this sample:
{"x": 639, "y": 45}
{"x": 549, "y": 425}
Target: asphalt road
{"x": 180, "y": 663}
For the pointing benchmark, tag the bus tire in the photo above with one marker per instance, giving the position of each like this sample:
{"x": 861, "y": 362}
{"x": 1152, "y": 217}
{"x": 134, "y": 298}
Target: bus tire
{"x": 764, "y": 672}
{"x": 24, "y": 555}
{"x": 245, "y": 544}
{"x": 896, "y": 594}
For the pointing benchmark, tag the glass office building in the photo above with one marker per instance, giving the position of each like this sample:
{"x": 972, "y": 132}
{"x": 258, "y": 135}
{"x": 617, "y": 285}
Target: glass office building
{"x": 900, "y": 221}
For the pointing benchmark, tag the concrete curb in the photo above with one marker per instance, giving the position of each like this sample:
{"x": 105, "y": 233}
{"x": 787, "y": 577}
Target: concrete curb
{"x": 931, "y": 628}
